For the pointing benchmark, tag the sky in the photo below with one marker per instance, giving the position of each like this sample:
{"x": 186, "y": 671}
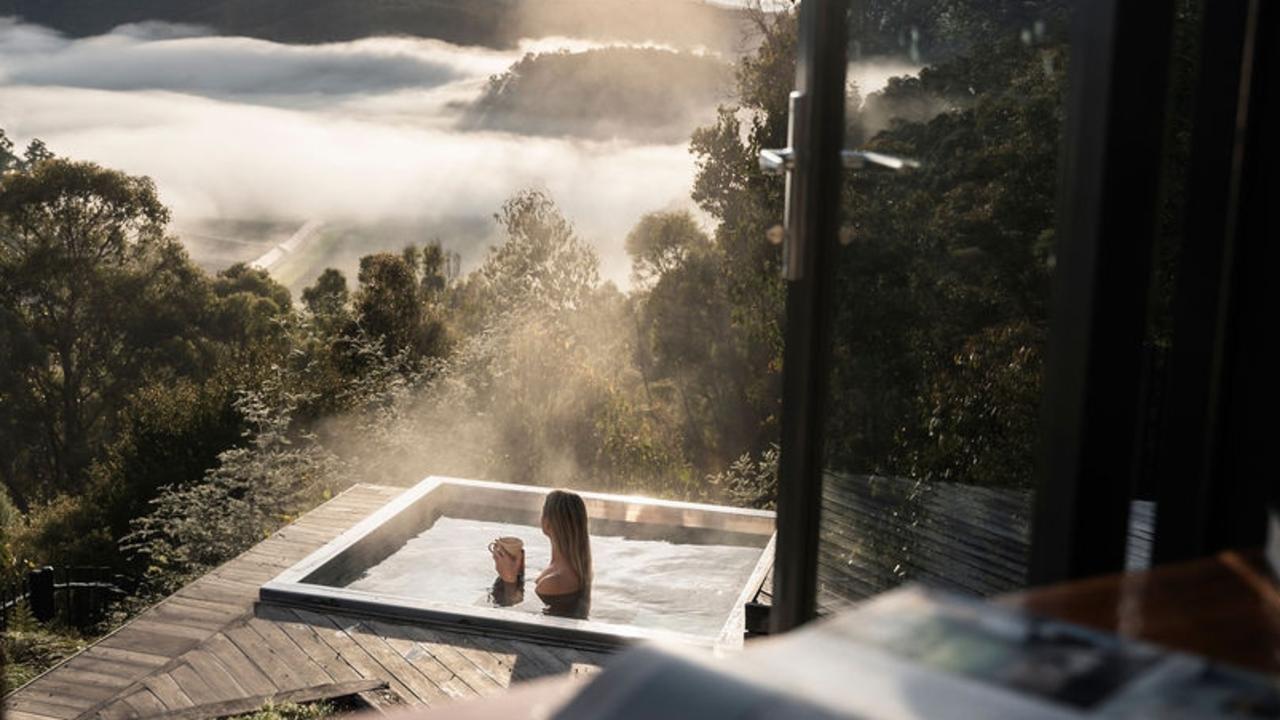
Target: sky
{"x": 346, "y": 132}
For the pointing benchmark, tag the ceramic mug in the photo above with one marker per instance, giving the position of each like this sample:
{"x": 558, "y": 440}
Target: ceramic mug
{"x": 512, "y": 546}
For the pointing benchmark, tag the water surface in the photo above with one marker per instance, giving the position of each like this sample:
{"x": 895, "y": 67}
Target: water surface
{"x": 652, "y": 584}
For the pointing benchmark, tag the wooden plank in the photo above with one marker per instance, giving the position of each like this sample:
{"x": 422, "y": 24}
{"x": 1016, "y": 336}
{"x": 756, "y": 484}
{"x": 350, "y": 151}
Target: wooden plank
{"x": 482, "y": 672}
{"x": 63, "y": 703}
{"x": 214, "y": 674}
{"x": 250, "y": 677}
{"x": 63, "y": 686}
{"x": 50, "y": 691}
{"x": 205, "y": 610}
{"x": 264, "y": 657}
{"x": 150, "y": 641}
{"x": 276, "y": 554}
{"x": 145, "y": 703}
{"x": 125, "y": 670}
{"x": 188, "y": 618}
{"x": 445, "y": 676}
{"x": 305, "y": 637}
{"x": 44, "y": 707}
{"x": 418, "y": 684}
{"x": 332, "y": 635}
{"x": 89, "y": 678}
{"x": 287, "y": 650}
{"x": 132, "y": 657}
{"x": 146, "y": 625}
{"x": 26, "y": 715}
{"x": 306, "y": 534}
{"x": 529, "y": 660}
{"x": 248, "y": 575}
{"x": 542, "y": 656}
{"x": 501, "y": 659}
{"x": 118, "y": 710}
{"x": 213, "y": 605}
{"x": 193, "y": 685}
{"x": 211, "y": 588}
{"x": 168, "y": 691}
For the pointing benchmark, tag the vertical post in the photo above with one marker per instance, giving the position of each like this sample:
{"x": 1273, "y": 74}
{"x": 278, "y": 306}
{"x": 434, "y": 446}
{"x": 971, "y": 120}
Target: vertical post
{"x": 818, "y": 138}
{"x": 40, "y": 584}
{"x": 1110, "y": 171}
{"x": 1214, "y": 463}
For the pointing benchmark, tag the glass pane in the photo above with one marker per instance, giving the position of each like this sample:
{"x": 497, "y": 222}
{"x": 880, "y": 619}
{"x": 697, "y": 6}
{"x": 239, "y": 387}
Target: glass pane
{"x": 515, "y": 242}
{"x": 941, "y": 300}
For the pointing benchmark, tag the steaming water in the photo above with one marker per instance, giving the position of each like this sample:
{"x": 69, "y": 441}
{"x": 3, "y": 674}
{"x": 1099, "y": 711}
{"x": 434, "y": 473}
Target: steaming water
{"x": 647, "y": 583}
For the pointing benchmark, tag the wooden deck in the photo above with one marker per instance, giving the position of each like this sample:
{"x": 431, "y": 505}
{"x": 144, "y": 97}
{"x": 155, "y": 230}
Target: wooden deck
{"x": 209, "y": 649}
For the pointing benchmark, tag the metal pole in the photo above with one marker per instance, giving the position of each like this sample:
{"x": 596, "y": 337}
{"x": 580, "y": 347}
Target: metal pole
{"x": 1110, "y": 169}
{"x": 817, "y": 141}
{"x": 1212, "y": 488}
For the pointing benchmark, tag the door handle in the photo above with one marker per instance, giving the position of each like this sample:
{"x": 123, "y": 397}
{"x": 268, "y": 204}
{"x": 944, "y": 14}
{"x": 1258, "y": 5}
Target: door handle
{"x": 863, "y": 159}
{"x": 783, "y": 162}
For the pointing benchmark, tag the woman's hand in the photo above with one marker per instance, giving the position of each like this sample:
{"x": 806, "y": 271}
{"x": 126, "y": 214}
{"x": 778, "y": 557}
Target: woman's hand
{"x": 508, "y": 567}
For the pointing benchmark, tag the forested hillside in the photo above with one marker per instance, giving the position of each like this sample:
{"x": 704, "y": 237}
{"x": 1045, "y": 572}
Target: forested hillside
{"x": 495, "y": 23}
{"x": 640, "y": 93}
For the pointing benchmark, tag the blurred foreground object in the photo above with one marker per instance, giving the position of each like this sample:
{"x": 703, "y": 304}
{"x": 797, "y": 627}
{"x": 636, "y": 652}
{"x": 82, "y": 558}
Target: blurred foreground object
{"x": 912, "y": 653}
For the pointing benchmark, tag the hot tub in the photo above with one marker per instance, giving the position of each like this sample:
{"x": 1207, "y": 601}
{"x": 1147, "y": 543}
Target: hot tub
{"x": 663, "y": 569}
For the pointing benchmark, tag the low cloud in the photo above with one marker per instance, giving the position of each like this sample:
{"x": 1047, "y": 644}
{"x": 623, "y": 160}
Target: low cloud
{"x": 871, "y": 75}
{"x": 159, "y": 56}
{"x": 349, "y": 132}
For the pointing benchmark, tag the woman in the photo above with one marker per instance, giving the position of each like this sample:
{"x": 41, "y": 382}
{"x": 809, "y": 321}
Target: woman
{"x": 565, "y": 584}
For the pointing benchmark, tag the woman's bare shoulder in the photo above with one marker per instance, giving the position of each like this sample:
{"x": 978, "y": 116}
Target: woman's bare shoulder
{"x": 557, "y": 582}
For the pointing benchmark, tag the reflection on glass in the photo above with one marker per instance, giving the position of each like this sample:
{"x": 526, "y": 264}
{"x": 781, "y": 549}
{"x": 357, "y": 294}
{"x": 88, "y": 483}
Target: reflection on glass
{"x": 941, "y": 300}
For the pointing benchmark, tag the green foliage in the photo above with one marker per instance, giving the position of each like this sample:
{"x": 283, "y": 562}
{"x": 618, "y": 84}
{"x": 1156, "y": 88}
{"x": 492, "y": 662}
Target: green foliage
{"x": 64, "y": 530}
{"x": 662, "y": 242}
{"x": 290, "y": 711}
{"x": 29, "y": 651}
{"x": 172, "y": 433}
{"x": 980, "y": 412}
{"x": 541, "y": 267}
{"x": 124, "y": 354}
{"x": 937, "y": 30}
{"x": 87, "y": 283}
{"x": 327, "y": 299}
{"x": 36, "y": 153}
{"x": 942, "y": 287}
{"x": 254, "y": 490}
{"x": 10, "y": 522}
{"x": 391, "y": 305}
{"x": 748, "y": 481}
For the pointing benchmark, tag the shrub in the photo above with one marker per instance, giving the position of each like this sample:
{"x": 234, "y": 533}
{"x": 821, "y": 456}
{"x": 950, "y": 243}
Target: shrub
{"x": 27, "y": 652}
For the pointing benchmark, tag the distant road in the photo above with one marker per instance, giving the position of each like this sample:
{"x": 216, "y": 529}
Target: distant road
{"x": 296, "y": 242}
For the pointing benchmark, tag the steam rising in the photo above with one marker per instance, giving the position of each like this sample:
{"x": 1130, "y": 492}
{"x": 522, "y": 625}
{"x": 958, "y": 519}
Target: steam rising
{"x": 347, "y": 132}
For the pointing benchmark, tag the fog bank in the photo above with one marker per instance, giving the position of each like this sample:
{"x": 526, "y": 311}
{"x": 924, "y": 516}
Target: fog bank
{"x": 350, "y": 132}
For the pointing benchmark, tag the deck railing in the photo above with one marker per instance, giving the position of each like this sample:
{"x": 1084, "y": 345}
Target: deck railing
{"x": 75, "y": 595}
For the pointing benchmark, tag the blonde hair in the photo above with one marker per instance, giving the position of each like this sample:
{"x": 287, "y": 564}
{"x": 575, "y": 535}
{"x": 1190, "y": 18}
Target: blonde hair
{"x": 566, "y": 516}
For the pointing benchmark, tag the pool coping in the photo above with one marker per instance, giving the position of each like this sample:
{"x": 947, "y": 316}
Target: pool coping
{"x": 289, "y": 588}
